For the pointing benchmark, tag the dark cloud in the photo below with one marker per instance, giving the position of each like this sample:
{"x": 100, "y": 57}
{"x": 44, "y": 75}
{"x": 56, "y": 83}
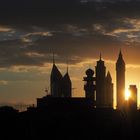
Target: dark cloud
{"x": 74, "y": 46}
{"x": 75, "y": 29}
{"x": 60, "y": 11}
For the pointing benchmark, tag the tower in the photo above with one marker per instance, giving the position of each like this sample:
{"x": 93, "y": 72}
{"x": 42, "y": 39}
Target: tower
{"x": 66, "y": 85}
{"x": 55, "y": 81}
{"x": 89, "y": 86}
{"x": 133, "y": 97}
{"x": 100, "y": 83}
{"x": 108, "y": 91}
{"x": 120, "y": 81}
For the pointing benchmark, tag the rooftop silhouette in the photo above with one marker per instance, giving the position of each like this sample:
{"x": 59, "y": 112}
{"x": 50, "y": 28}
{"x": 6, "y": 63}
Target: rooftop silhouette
{"x": 93, "y": 115}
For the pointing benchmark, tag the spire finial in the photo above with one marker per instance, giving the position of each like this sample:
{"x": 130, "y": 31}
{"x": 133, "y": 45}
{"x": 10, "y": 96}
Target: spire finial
{"x": 120, "y": 51}
{"x": 100, "y": 56}
{"x": 67, "y": 66}
{"x": 53, "y": 58}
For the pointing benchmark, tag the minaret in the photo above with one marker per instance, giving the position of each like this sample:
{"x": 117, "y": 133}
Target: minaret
{"x": 55, "y": 81}
{"x": 108, "y": 91}
{"x": 66, "y": 85}
{"x": 100, "y": 83}
{"x": 120, "y": 81}
{"x": 89, "y": 86}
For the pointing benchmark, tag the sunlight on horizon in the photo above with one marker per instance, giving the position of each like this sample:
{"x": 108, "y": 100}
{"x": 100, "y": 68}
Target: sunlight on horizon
{"x": 127, "y": 94}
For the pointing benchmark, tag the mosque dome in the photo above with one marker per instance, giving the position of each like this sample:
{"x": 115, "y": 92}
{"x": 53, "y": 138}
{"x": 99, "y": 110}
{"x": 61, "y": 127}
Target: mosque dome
{"x": 89, "y": 72}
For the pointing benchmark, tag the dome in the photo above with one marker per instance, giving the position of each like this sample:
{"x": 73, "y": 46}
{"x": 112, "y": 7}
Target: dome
{"x": 89, "y": 72}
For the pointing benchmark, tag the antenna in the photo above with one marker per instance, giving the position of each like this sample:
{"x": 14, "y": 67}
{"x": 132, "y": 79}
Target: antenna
{"x": 67, "y": 66}
{"x": 53, "y": 58}
{"x": 100, "y": 56}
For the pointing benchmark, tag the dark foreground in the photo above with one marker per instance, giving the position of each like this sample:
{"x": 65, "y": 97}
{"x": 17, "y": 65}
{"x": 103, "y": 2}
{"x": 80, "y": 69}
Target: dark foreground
{"x": 69, "y": 123}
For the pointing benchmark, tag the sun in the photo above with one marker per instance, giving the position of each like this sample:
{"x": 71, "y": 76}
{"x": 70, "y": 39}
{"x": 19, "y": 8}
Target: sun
{"x": 127, "y": 94}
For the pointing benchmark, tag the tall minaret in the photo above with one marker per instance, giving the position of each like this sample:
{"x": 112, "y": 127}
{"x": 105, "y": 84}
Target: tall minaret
{"x": 89, "y": 85}
{"x": 100, "y": 83}
{"x": 120, "y": 81}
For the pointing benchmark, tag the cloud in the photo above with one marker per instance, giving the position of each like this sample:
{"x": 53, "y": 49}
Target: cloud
{"x": 31, "y": 37}
{"x": 3, "y": 82}
{"x": 5, "y": 29}
{"x": 75, "y": 30}
{"x": 133, "y": 66}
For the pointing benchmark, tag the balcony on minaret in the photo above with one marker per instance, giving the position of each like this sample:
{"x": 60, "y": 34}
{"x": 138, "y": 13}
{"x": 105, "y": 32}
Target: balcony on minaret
{"x": 89, "y": 85}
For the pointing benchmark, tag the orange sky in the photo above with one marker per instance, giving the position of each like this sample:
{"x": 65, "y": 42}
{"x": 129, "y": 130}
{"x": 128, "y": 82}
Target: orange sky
{"x": 75, "y": 31}
{"x": 35, "y": 79}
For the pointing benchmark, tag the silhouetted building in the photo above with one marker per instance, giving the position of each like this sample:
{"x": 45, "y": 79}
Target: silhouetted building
{"x": 64, "y": 103}
{"x": 100, "y": 87}
{"x": 133, "y": 97}
{"x": 120, "y": 81}
{"x": 100, "y": 83}
{"x": 66, "y": 86}
{"x": 89, "y": 86}
{"x": 108, "y": 91}
{"x": 56, "y": 82}
{"x": 60, "y": 86}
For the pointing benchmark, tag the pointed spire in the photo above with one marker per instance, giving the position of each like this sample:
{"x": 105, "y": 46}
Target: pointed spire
{"x": 120, "y": 54}
{"x": 109, "y": 76}
{"x": 120, "y": 58}
{"x": 66, "y": 78}
{"x": 55, "y": 74}
{"x": 100, "y": 61}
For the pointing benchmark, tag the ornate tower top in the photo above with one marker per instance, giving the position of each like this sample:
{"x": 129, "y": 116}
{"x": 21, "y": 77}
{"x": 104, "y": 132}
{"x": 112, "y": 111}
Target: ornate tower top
{"x": 100, "y": 57}
{"x": 55, "y": 73}
{"x": 120, "y": 54}
{"x": 100, "y": 62}
{"x": 66, "y": 77}
{"x": 89, "y": 72}
{"x": 120, "y": 62}
{"x": 120, "y": 58}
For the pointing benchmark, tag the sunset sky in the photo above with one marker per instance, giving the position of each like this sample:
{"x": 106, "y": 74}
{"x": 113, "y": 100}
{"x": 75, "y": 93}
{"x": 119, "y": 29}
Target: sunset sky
{"x": 76, "y": 30}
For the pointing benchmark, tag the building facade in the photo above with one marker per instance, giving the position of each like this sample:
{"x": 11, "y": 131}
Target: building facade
{"x": 108, "y": 91}
{"x": 133, "y": 97}
{"x": 61, "y": 86}
{"x": 100, "y": 83}
{"x": 100, "y": 87}
{"x": 120, "y": 81}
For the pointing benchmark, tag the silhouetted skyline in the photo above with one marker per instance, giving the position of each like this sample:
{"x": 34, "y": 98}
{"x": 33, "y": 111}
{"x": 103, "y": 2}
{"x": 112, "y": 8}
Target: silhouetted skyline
{"x": 63, "y": 59}
{"x": 76, "y": 30}
{"x": 98, "y": 87}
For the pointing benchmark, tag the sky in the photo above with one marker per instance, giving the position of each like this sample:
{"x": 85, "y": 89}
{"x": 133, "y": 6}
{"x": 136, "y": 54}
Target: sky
{"x": 76, "y": 31}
